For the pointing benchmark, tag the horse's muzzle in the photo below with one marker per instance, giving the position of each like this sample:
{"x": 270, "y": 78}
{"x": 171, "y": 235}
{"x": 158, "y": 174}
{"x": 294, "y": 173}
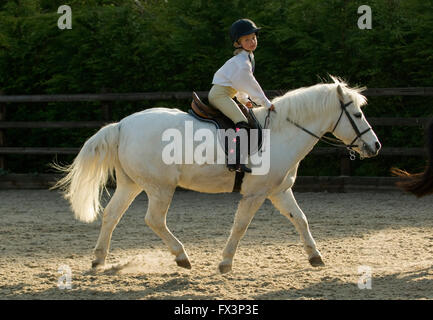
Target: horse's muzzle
{"x": 371, "y": 151}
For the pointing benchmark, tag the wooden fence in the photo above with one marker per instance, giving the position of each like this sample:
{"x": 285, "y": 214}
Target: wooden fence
{"x": 106, "y": 111}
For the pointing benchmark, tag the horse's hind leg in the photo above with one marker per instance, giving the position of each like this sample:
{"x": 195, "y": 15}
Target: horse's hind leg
{"x": 159, "y": 202}
{"x": 125, "y": 193}
{"x": 285, "y": 202}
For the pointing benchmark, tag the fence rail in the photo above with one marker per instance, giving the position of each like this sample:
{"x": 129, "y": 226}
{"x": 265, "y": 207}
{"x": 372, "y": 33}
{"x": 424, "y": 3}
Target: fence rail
{"x": 107, "y": 98}
{"x": 317, "y": 151}
{"x": 137, "y": 96}
{"x": 384, "y": 122}
{"x": 303, "y": 183}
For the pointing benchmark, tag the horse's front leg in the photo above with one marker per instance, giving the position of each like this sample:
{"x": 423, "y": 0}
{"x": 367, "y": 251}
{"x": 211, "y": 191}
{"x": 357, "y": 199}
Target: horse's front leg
{"x": 285, "y": 202}
{"x": 247, "y": 207}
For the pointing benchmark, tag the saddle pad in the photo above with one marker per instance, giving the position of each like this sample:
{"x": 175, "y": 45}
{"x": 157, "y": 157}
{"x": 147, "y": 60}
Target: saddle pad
{"x": 220, "y": 123}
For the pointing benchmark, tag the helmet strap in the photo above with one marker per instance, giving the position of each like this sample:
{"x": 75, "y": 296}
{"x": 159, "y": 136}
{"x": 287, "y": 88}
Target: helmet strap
{"x": 239, "y": 46}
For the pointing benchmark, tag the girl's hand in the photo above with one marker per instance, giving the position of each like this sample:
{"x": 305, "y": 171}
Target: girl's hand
{"x": 249, "y": 104}
{"x": 272, "y": 108}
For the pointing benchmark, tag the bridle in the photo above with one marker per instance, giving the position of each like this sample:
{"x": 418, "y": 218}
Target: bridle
{"x": 336, "y": 142}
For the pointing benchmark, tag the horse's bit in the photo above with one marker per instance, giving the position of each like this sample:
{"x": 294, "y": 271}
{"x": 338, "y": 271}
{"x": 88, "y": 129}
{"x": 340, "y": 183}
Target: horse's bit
{"x": 336, "y": 142}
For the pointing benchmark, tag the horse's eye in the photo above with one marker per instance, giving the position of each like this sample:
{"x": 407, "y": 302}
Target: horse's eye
{"x": 358, "y": 115}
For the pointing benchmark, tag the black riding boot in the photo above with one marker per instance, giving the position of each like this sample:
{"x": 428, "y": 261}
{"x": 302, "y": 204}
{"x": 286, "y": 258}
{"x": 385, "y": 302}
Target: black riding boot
{"x": 241, "y": 153}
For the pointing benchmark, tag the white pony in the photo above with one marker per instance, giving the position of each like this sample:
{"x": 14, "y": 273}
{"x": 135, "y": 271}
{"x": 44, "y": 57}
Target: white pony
{"x": 132, "y": 149}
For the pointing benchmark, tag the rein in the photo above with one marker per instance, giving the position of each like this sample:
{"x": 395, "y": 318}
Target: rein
{"x": 268, "y": 116}
{"x": 336, "y": 142}
{"x": 267, "y": 119}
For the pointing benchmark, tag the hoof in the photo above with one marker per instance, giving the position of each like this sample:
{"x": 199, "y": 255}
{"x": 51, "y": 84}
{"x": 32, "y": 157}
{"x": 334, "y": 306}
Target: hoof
{"x": 184, "y": 263}
{"x": 316, "y": 261}
{"x": 225, "y": 268}
{"x": 97, "y": 264}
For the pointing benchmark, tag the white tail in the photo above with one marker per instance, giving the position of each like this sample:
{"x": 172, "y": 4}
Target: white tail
{"x": 87, "y": 175}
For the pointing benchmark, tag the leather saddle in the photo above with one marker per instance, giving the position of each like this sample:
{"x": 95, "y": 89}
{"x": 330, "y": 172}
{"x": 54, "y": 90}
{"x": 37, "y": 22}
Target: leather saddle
{"x": 203, "y": 112}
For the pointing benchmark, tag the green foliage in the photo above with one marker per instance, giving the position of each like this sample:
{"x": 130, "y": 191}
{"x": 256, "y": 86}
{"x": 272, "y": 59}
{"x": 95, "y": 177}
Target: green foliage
{"x": 177, "y": 45}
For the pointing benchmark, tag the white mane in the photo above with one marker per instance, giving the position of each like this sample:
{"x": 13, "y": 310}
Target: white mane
{"x": 303, "y": 104}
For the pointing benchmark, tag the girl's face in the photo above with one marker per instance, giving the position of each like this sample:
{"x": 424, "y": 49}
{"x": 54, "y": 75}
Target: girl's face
{"x": 248, "y": 42}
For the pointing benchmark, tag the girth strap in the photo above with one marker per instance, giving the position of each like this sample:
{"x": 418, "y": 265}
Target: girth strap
{"x": 238, "y": 181}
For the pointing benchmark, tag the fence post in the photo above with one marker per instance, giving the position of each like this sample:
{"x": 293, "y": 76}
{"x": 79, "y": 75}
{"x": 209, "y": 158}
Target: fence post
{"x": 106, "y": 108}
{"x": 345, "y": 169}
{"x": 2, "y": 133}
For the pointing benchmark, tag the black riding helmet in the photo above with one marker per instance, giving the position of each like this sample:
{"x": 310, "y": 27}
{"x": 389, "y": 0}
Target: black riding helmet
{"x": 242, "y": 27}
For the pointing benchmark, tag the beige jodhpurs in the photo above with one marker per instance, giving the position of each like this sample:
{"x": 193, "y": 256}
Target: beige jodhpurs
{"x": 220, "y": 97}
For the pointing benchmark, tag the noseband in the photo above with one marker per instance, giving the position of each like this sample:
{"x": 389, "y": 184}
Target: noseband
{"x": 336, "y": 142}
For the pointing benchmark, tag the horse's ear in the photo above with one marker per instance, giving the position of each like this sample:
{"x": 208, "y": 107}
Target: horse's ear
{"x": 340, "y": 93}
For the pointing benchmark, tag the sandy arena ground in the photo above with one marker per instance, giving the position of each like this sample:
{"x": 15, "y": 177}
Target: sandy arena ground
{"x": 390, "y": 233}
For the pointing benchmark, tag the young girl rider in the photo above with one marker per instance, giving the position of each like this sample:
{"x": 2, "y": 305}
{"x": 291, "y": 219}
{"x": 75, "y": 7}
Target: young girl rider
{"x": 235, "y": 79}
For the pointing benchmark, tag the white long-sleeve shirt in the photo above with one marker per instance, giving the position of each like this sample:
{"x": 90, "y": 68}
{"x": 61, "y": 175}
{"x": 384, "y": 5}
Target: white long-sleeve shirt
{"x": 237, "y": 73}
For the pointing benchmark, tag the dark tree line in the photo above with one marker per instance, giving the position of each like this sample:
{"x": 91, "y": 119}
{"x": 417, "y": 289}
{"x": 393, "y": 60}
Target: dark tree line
{"x": 177, "y": 45}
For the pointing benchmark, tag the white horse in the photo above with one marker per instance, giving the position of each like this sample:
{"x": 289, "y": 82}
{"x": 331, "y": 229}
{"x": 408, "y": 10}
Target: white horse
{"x": 132, "y": 149}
